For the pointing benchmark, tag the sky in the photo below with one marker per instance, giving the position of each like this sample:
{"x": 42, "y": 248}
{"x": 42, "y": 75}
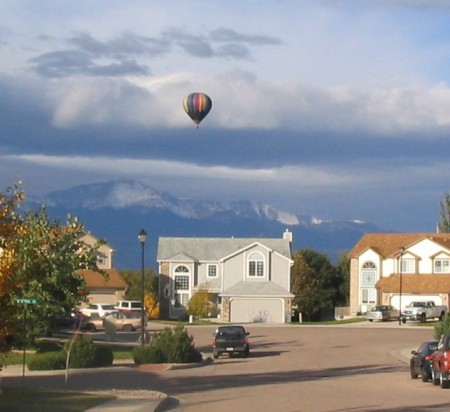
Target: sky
{"x": 338, "y": 109}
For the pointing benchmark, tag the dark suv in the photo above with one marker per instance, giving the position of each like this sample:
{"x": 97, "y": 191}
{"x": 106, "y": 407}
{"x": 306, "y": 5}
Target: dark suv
{"x": 231, "y": 340}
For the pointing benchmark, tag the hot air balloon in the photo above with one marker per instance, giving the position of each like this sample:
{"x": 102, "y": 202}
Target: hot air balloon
{"x": 197, "y": 106}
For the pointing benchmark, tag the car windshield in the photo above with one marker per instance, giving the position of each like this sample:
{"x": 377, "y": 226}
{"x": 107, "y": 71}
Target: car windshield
{"x": 380, "y": 308}
{"x": 231, "y": 331}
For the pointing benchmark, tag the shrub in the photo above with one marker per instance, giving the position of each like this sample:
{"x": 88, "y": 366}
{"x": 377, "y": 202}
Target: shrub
{"x": 48, "y": 361}
{"x": 442, "y": 327}
{"x": 85, "y": 354}
{"x": 172, "y": 345}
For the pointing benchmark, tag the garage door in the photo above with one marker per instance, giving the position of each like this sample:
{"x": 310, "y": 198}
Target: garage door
{"x": 257, "y": 310}
{"x": 407, "y": 299}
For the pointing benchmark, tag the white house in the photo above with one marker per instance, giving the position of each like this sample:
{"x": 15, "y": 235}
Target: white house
{"x": 248, "y": 277}
{"x": 387, "y": 266}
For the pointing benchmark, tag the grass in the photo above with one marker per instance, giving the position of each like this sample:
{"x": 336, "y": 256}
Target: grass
{"x": 16, "y": 357}
{"x": 34, "y": 400}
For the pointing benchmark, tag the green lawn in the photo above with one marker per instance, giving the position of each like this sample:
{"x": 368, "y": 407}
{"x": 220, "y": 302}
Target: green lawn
{"x": 34, "y": 400}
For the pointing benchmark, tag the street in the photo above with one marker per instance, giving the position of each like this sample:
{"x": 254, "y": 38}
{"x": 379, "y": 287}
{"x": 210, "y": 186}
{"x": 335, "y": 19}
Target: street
{"x": 290, "y": 368}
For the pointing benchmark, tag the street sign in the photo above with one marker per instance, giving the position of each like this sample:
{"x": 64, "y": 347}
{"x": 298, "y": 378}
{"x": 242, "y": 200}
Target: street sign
{"x": 29, "y": 301}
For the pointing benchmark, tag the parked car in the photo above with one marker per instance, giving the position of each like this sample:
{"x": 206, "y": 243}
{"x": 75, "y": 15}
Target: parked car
{"x": 91, "y": 323}
{"x": 102, "y": 309}
{"x": 422, "y": 359}
{"x": 230, "y": 340}
{"x": 126, "y": 321}
{"x": 440, "y": 369}
{"x": 128, "y": 305}
{"x": 383, "y": 312}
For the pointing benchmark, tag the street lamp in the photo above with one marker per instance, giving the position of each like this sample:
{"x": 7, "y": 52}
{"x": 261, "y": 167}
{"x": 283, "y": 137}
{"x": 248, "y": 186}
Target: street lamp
{"x": 142, "y": 236}
{"x": 402, "y": 250}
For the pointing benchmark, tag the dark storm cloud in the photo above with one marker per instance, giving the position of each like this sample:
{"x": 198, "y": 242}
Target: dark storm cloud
{"x": 75, "y": 62}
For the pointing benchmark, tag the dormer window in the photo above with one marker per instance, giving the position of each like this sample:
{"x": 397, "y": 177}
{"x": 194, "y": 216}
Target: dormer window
{"x": 407, "y": 265}
{"x": 442, "y": 266}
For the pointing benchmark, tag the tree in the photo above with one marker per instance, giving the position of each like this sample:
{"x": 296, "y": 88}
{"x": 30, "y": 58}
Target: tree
{"x": 316, "y": 284}
{"x": 200, "y": 304}
{"x": 151, "y": 297}
{"x": 47, "y": 261}
{"x": 444, "y": 224}
{"x": 10, "y": 228}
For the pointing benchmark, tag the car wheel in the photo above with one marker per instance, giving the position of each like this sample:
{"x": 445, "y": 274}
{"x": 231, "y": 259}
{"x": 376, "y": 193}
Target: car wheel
{"x": 215, "y": 355}
{"x": 128, "y": 328}
{"x": 412, "y": 373}
{"x": 434, "y": 378}
{"x": 246, "y": 352}
{"x": 443, "y": 381}
{"x": 424, "y": 375}
{"x": 423, "y": 318}
{"x": 90, "y": 327}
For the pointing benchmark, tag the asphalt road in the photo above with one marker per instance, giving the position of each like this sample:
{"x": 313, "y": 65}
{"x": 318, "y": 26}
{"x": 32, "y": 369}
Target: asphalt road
{"x": 290, "y": 368}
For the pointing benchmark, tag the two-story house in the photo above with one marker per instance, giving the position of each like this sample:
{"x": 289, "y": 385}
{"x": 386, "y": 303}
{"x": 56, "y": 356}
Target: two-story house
{"x": 101, "y": 289}
{"x": 249, "y": 278}
{"x": 386, "y": 268}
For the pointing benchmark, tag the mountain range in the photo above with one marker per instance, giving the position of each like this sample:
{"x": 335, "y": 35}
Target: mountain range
{"x": 117, "y": 210}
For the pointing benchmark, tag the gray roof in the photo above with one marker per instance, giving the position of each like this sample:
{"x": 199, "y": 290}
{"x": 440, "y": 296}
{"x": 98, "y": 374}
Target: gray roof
{"x": 257, "y": 288}
{"x": 214, "y": 249}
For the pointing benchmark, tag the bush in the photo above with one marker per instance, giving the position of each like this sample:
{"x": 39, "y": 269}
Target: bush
{"x": 171, "y": 345}
{"x": 48, "y": 361}
{"x": 442, "y": 327}
{"x": 85, "y": 354}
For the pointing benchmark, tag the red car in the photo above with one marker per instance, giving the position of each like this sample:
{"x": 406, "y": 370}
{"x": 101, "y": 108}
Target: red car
{"x": 440, "y": 370}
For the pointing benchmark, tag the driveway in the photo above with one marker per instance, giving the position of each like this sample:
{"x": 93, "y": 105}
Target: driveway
{"x": 290, "y": 368}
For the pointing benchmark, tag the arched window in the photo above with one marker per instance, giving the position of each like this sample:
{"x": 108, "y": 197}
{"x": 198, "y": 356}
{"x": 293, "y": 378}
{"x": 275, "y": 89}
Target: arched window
{"x": 256, "y": 265}
{"x": 369, "y": 276}
{"x": 181, "y": 286}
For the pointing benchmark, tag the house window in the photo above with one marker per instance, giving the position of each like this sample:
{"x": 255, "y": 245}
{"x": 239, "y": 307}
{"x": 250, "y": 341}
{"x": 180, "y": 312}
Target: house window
{"x": 442, "y": 266}
{"x": 407, "y": 266}
{"x": 182, "y": 282}
{"x": 181, "y": 286}
{"x": 181, "y": 300}
{"x": 212, "y": 271}
{"x": 369, "y": 296}
{"x": 255, "y": 265}
{"x": 369, "y": 274}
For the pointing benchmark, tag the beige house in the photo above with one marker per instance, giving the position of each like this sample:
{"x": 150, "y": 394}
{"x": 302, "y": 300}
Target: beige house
{"x": 101, "y": 289}
{"x": 388, "y": 267}
{"x": 248, "y": 277}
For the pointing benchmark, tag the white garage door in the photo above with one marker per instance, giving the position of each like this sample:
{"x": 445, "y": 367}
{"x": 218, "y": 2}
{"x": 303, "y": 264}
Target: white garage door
{"x": 257, "y": 310}
{"x": 407, "y": 299}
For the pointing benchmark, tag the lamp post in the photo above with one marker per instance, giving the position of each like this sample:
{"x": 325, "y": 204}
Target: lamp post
{"x": 402, "y": 250}
{"x": 142, "y": 236}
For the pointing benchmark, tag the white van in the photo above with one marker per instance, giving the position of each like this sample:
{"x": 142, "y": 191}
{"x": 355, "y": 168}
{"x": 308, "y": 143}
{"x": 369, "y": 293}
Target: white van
{"x": 128, "y": 305}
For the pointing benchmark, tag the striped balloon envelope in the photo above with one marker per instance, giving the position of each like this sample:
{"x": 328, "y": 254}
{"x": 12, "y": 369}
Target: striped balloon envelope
{"x": 197, "y": 106}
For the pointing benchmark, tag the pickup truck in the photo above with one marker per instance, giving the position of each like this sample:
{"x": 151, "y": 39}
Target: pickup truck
{"x": 440, "y": 368}
{"x": 423, "y": 310}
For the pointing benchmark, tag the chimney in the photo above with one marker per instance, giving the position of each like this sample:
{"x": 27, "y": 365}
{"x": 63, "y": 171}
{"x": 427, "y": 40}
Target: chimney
{"x": 287, "y": 235}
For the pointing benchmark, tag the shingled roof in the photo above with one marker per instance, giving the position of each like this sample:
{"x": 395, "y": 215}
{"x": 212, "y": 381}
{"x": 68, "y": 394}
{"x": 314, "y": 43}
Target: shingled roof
{"x": 95, "y": 280}
{"x": 213, "y": 249}
{"x": 415, "y": 284}
{"x": 387, "y": 244}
